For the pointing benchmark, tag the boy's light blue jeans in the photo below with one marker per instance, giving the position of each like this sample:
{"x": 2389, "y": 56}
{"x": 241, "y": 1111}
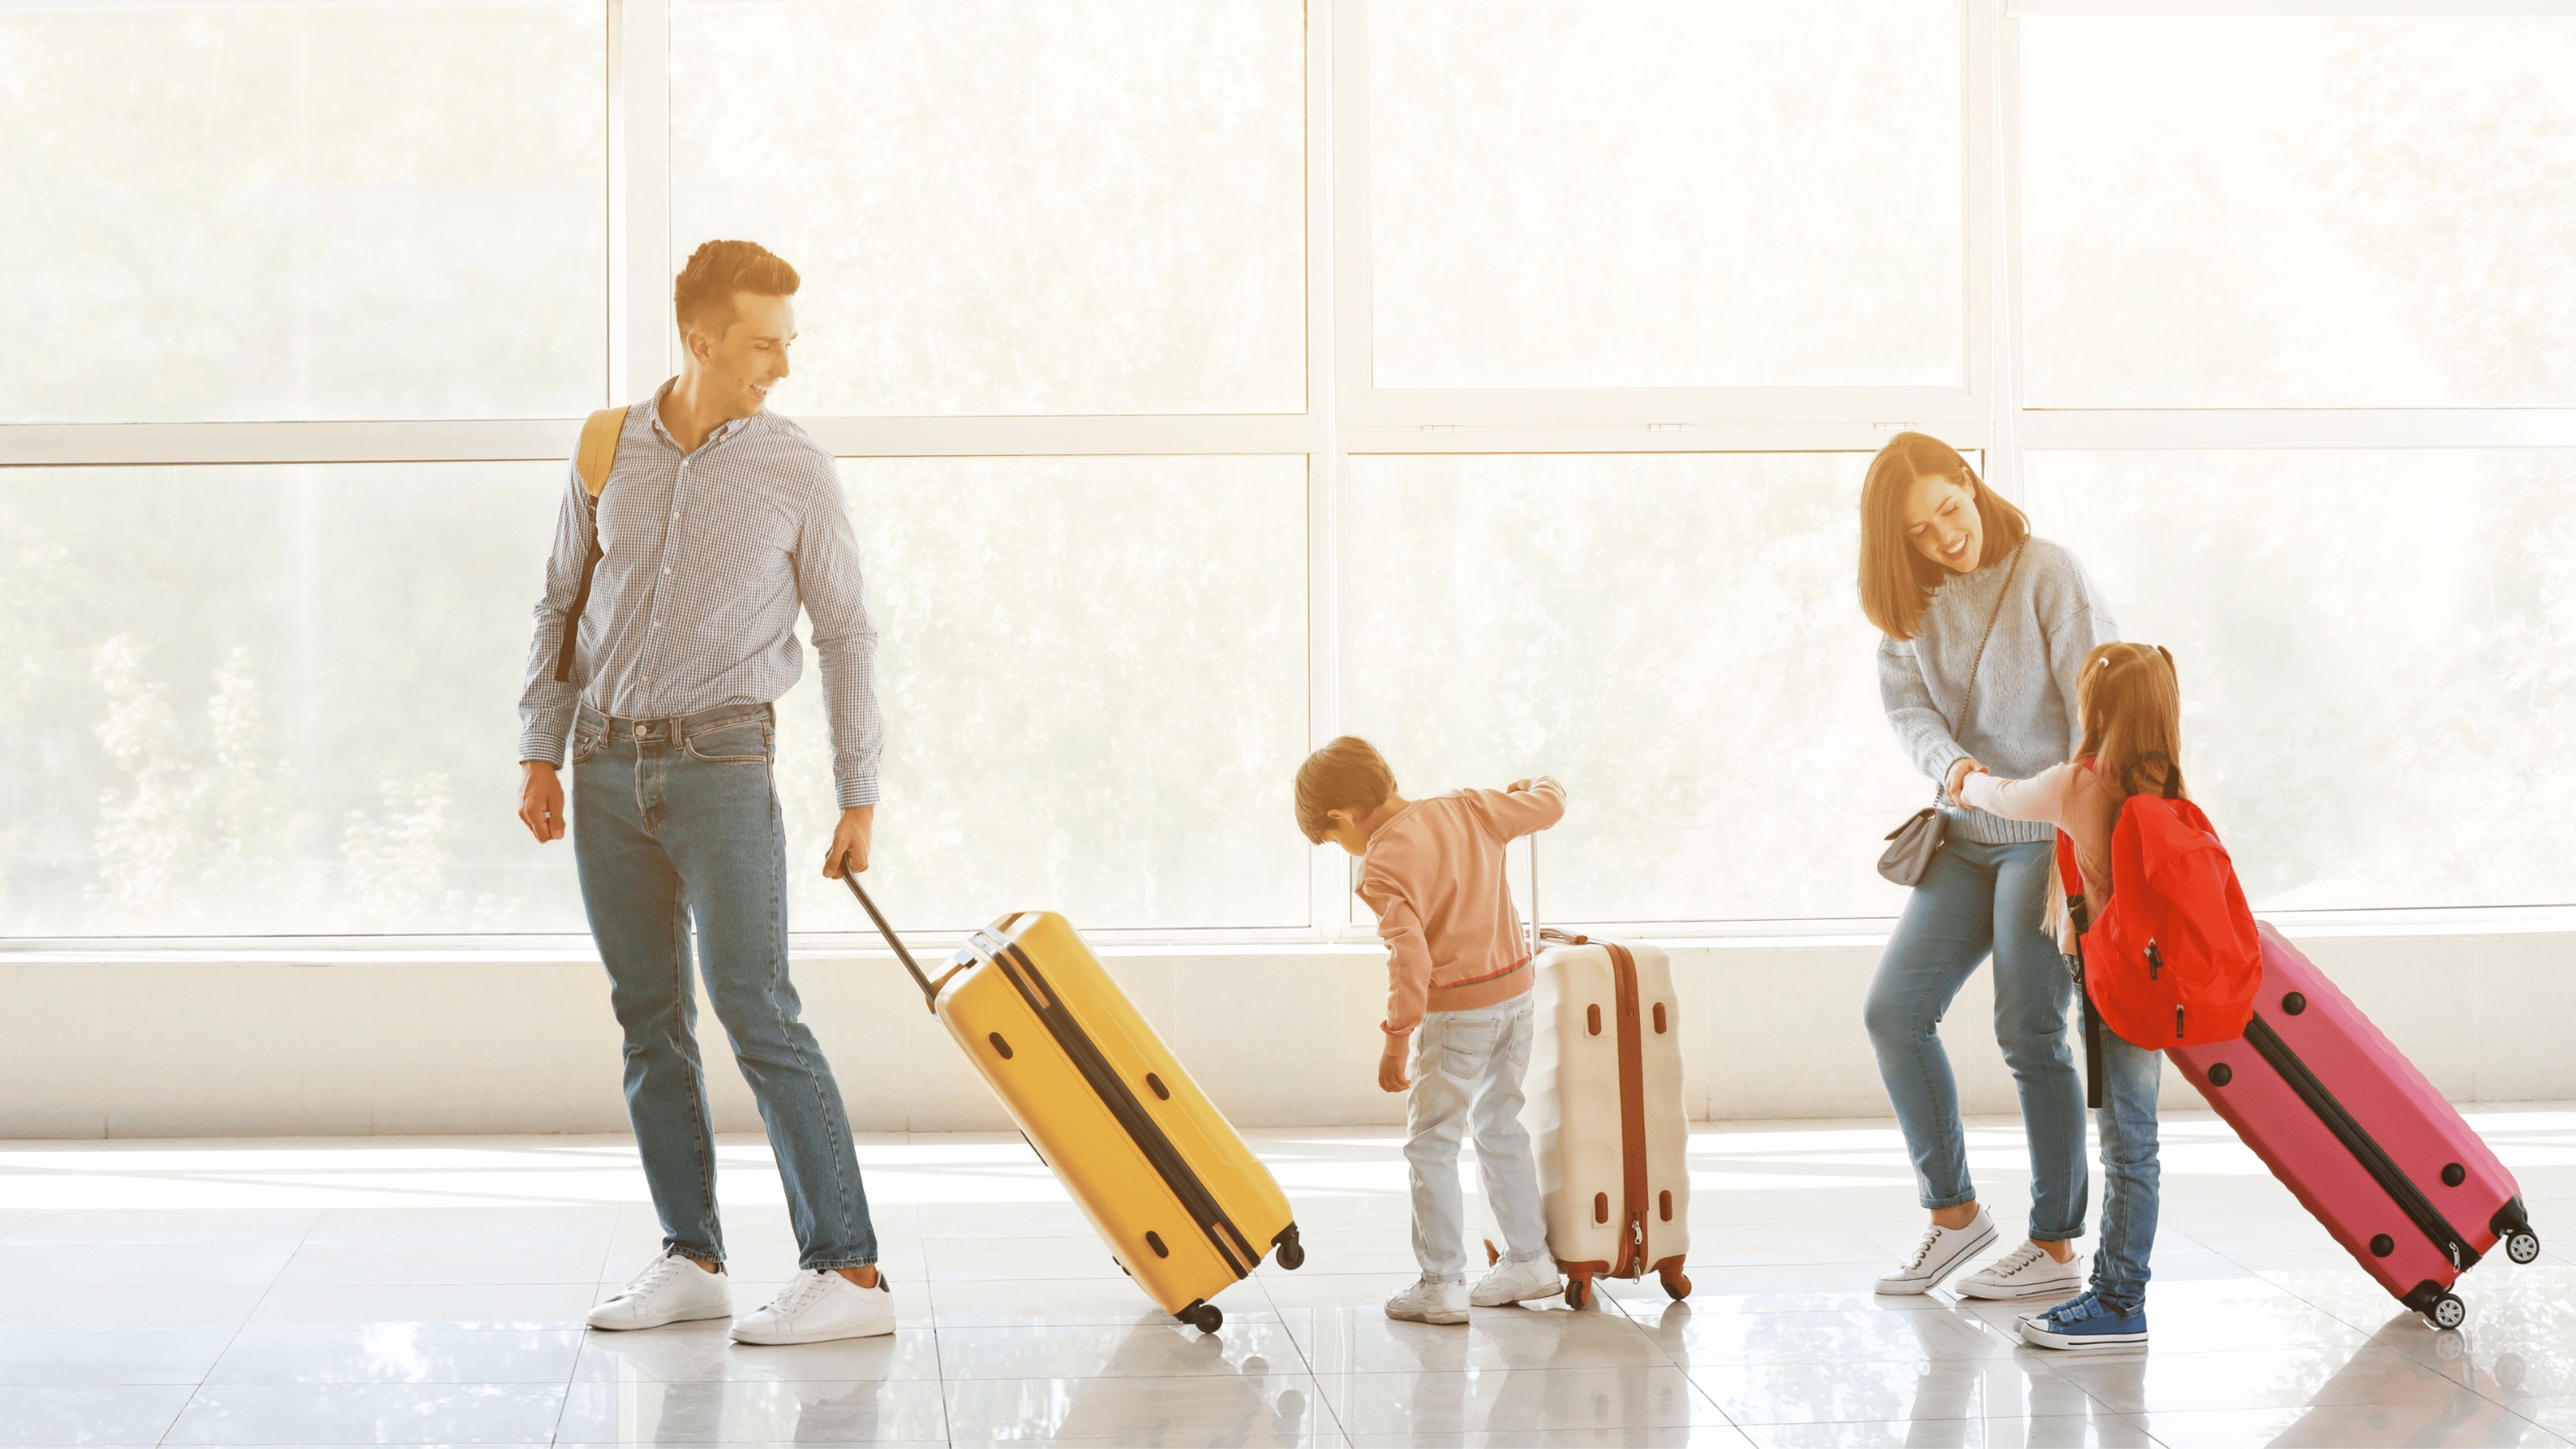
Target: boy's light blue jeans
{"x": 1466, "y": 1069}
{"x": 2130, "y": 1173}
{"x": 1974, "y": 900}
{"x": 675, "y": 821}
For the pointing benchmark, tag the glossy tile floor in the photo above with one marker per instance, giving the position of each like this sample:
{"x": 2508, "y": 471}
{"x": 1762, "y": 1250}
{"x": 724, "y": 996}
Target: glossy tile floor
{"x": 421, "y": 1291}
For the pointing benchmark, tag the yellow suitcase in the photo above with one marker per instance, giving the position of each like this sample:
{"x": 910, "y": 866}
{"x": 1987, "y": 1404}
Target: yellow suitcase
{"x": 1183, "y": 1204}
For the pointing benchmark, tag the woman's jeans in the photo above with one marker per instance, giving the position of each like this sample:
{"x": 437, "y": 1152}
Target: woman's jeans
{"x": 1977, "y": 899}
{"x": 1466, "y": 1069}
{"x": 674, "y": 821}
{"x": 2130, "y": 1174}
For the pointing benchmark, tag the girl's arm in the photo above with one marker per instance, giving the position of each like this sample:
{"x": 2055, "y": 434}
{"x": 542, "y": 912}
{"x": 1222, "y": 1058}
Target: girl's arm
{"x": 2042, "y": 797}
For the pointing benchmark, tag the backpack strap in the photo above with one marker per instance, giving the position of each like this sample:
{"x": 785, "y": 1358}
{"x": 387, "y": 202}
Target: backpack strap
{"x": 2073, "y": 879}
{"x": 592, "y": 459}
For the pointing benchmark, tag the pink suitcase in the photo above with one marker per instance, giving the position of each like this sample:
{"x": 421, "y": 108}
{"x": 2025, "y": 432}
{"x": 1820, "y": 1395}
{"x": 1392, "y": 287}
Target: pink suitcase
{"x": 2351, "y": 1127}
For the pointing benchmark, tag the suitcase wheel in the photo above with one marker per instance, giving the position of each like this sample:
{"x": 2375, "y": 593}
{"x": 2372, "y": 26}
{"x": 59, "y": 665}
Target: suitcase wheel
{"x": 1205, "y": 1317}
{"x": 1676, "y": 1284}
{"x": 1292, "y": 1253}
{"x": 2448, "y": 1311}
{"x": 1493, "y": 1254}
{"x": 2523, "y": 1246}
{"x": 1578, "y": 1292}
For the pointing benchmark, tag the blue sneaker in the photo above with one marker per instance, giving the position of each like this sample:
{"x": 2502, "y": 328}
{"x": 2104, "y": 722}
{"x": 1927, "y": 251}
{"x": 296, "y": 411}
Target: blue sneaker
{"x": 2085, "y": 1322}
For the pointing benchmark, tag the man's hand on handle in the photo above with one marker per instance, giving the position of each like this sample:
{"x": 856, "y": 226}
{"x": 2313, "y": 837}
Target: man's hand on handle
{"x": 848, "y": 854}
{"x": 541, "y": 801}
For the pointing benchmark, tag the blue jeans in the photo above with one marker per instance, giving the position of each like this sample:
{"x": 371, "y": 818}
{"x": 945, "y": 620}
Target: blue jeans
{"x": 1975, "y": 900}
{"x": 674, "y": 822}
{"x": 2130, "y": 1173}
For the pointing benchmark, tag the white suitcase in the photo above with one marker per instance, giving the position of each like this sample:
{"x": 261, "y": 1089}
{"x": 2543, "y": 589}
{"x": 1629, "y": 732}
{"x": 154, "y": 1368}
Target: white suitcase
{"x": 1605, "y": 1113}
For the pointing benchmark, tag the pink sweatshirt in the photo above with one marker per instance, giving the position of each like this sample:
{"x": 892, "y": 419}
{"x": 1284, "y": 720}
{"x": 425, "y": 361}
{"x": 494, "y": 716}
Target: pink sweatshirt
{"x": 2068, "y": 796}
{"x": 1434, "y": 875}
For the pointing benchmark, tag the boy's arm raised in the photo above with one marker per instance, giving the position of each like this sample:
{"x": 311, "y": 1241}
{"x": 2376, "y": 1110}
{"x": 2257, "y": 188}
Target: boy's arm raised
{"x": 1529, "y": 806}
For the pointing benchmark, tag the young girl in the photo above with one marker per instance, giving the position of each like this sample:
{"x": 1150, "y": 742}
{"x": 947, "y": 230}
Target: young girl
{"x": 2132, "y": 711}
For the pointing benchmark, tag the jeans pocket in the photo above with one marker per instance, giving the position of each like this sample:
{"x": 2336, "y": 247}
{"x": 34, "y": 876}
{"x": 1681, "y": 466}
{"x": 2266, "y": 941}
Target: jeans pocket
{"x": 1467, "y": 1045}
{"x": 586, "y": 741}
{"x": 743, "y": 743}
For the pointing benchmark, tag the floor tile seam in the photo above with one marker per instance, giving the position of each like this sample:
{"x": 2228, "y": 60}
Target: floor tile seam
{"x": 239, "y": 1328}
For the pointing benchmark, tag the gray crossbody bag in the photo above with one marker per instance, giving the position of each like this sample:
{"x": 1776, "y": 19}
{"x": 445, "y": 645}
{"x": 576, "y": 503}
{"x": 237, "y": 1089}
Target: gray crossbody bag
{"x": 1913, "y": 844}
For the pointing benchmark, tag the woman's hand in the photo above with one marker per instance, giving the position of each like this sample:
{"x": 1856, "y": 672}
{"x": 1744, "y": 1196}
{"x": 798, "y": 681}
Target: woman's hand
{"x": 1390, "y": 1064}
{"x": 1960, "y": 770}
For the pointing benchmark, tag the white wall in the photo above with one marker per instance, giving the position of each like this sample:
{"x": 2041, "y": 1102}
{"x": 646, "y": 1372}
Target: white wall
{"x": 130, "y": 1046}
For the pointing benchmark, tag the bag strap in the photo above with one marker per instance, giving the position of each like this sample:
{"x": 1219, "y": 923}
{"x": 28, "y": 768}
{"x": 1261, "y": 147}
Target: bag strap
{"x": 2071, "y": 877}
{"x": 1977, "y": 662}
{"x": 592, "y": 459}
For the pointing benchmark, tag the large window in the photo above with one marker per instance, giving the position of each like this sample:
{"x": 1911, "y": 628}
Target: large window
{"x": 1665, "y": 193}
{"x": 346, "y": 210}
{"x": 1213, "y": 378}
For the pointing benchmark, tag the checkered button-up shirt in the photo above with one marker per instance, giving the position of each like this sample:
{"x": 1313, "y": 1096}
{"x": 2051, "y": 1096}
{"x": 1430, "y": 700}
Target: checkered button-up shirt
{"x": 705, "y": 559}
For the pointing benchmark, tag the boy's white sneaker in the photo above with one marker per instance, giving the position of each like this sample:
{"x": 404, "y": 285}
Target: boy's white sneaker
{"x": 671, "y": 1289}
{"x": 2025, "y": 1272}
{"x": 1429, "y": 1302}
{"x": 817, "y": 1306}
{"x": 1510, "y": 1282}
{"x": 1939, "y": 1255}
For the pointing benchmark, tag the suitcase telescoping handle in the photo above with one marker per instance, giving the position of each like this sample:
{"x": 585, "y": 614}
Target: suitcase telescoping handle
{"x": 929, "y": 992}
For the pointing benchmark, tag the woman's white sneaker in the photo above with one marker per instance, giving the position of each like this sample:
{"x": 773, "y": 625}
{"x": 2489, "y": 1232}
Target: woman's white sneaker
{"x": 817, "y": 1306}
{"x": 671, "y": 1289}
{"x": 2025, "y": 1272}
{"x": 1429, "y": 1302}
{"x": 1939, "y": 1255}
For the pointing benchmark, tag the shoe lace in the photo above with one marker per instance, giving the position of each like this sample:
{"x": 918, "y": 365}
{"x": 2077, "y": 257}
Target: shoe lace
{"x": 794, "y": 1298}
{"x": 1923, "y": 1250}
{"x": 655, "y": 1274}
{"x": 2016, "y": 1260}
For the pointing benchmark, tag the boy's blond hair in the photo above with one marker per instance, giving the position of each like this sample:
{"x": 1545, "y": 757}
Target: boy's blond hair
{"x": 1348, "y": 774}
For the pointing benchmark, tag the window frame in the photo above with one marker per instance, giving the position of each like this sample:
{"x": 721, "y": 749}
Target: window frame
{"x": 1346, "y": 415}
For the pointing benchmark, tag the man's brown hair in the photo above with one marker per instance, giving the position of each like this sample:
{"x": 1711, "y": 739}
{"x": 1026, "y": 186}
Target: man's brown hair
{"x": 1348, "y": 774}
{"x": 703, "y": 297}
{"x": 1896, "y": 581}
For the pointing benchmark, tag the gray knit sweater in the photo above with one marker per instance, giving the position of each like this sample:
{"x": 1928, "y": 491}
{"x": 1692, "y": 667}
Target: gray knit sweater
{"x": 2023, "y": 717}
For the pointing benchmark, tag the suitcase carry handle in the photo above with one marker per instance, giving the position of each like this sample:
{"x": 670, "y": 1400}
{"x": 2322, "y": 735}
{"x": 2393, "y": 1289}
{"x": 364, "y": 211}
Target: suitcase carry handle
{"x": 929, "y": 992}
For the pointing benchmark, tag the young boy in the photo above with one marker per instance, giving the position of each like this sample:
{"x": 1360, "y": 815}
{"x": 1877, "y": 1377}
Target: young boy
{"x": 1458, "y": 982}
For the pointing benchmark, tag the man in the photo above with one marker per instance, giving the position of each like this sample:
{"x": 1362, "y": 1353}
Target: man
{"x": 716, "y": 521}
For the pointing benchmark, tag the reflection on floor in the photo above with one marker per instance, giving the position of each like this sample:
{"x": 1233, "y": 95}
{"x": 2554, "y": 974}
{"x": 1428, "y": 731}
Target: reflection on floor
{"x": 419, "y": 1291}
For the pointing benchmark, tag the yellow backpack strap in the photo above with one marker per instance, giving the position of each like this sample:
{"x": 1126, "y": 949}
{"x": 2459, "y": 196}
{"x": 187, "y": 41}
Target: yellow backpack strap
{"x": 598, "y": 451}
{"x": 592, "y": 460}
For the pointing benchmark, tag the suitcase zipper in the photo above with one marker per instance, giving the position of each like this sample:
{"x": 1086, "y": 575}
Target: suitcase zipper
{"x": 2366, "y": 1150}
{"x": 1166, "y": 1159}
{"x": 1632, "y": 1113}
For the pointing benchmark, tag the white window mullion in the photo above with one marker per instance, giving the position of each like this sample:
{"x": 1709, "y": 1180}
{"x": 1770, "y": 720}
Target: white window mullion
{"x": 639, "y": 197}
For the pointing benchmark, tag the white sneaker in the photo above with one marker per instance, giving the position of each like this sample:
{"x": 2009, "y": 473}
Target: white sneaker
{"x": 1510, "y": 1282}
{"x": 817, "y": 1306}
{"x": 2025, "y": 1272}
{"x": 1939, "y": 1254}
{"x": 671, "y": 1289}
{"x": 1429, "y": 1302}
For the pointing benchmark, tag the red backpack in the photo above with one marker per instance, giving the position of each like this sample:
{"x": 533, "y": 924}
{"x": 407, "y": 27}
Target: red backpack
{"x": 2174, "y": 960}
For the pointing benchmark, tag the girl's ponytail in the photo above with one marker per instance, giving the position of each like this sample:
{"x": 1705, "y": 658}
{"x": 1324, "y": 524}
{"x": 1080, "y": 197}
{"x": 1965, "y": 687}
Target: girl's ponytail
{"x": 2132, "y": 706}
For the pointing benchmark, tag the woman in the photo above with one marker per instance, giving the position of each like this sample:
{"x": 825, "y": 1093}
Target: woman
{"x": 1986, "y": 629}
